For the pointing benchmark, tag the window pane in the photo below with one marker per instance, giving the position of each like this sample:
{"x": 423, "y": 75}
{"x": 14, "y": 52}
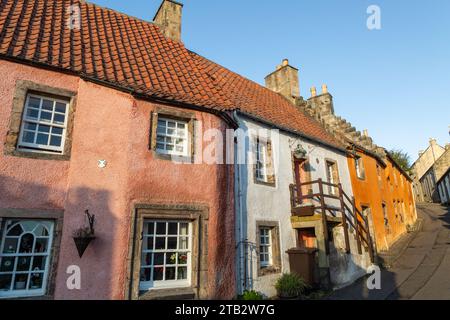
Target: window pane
{"x": 159, "y": 259}
{"x": 184, "y": 243}
{"x": 26, "y": 244}
{"x": 42, "y": 139}
{"x": 7, "y": 264}
{"x": 34, "y": 102}
{"x": 21, "y": 281}
{"x": 150, "y": 228}
{"x": 5, "y": 282}
{"x": 38, "y": 263}
{"x": 182, "y": 273}
{"x": 147, "y": 259}
{"x": 184, "y": 227}
{"x": 182, "y": 258}
{"x": 23, "y": 263}
{"x": 56, "y": 130}
{"x": 158, "y": 274}
{"x": 170, "y": 273}
{"x": 59, "y": 118}
{"x": 16, "y": 231}
{"x": 28, "y": 137}
{"x": 172, "y": 243}
{"x": 148, "y": 245}
{"x": 47, "y": 105}
{"x": 56, "y": 141}
{"x": 46, "y": 116}
{"x": 173, "y": 228}
{"x": 146, "y": 274}
{"x": 41, "y": 245}
{"x": 60, "y": 107}
{"x": 32, "y": 114}
{"x": 171, "y": 258}
{"x": 160, "y": 243}
{"x": 44, "y": 129}
{"x": 41, "y": 231}
{"x": 30, "y": 126}
{"x": 161, "y": 228}
{"x": 36, "y": 281}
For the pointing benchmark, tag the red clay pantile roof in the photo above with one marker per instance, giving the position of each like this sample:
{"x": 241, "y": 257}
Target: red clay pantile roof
{"x": 124, "y": 51}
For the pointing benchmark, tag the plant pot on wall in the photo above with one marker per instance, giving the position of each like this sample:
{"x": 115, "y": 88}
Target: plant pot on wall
{"x": 82, "y": 243}
{"x": 84, "y": 236}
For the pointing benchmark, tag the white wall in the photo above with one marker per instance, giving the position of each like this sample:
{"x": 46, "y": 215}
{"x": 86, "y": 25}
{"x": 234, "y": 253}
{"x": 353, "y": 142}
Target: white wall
{"x": 265, "y": 203}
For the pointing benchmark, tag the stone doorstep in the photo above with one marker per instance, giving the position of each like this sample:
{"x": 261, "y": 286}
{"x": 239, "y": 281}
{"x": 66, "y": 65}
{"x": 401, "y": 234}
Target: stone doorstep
{"x": 389, "y": 257}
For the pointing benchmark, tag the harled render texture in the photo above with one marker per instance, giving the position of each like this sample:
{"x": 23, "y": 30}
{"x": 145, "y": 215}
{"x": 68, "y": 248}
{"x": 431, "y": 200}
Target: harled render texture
{"x": 132, "y": 176}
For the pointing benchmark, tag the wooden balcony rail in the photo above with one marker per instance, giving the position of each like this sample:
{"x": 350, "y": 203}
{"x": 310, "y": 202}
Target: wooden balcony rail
{"x": 352, "y": 218}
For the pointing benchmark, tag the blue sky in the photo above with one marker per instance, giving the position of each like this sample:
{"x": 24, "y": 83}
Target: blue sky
{"x": 395, "y": 82}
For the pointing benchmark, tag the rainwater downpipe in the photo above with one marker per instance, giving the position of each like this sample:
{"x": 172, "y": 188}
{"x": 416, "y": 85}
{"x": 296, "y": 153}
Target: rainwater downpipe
{"x": 239, "y": 213}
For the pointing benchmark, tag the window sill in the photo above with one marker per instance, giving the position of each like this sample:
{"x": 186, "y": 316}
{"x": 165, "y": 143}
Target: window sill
{"x": 173, "y": 158}
{"x": 267, "y": 184}
{"x": 37, "y": 155}
{"x": 168, "y": 294}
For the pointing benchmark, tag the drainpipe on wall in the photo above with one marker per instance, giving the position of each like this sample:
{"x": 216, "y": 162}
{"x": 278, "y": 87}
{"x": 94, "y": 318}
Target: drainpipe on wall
{"x": 240, "y": 246}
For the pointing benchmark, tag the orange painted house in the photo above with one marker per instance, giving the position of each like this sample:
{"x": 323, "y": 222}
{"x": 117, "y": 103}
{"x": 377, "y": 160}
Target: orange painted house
{"x": 383, "y": 194}
{"x": 382, "y": 190}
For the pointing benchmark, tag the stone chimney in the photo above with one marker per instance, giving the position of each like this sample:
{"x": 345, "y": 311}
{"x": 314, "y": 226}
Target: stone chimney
{"x": 284, "y": 80}
{"x": 321, "y": 104}
{"x": 168, "y": 18}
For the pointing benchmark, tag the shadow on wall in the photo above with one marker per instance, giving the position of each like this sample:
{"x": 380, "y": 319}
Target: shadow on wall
{"x": 102, "y": 274}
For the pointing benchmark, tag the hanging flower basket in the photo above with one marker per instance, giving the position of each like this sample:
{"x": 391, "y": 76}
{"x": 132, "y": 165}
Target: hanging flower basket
{"x": 84, "y": 236}
{"x": 82, "y": 243}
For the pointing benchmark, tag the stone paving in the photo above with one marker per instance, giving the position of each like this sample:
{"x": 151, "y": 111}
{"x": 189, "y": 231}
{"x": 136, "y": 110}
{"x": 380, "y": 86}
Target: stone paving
{"x": 418, "y": 267}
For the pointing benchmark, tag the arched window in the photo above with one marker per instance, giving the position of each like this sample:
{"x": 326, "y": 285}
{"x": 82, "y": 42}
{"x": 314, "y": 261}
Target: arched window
{"x": 24, "y": 257}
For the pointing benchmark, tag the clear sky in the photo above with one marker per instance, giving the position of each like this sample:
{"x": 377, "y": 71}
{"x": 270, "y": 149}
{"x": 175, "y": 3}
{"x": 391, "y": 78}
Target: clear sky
{"x": 395, "y": 82}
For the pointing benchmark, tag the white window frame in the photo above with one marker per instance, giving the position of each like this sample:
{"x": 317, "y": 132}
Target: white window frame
{"x": 359, "y": 167}
{"x": 266, "y": 234}
{"x": 261, "y": 152}
{"x": 166, "y": 284}
{"x": 35, "y": 147}
{"x": 184, "y": 137}
{"x": 48, "y": 255}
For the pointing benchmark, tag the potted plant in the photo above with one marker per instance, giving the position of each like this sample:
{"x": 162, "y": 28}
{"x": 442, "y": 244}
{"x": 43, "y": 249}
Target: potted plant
{"x": 252, "y": 295}
{"x": 291, "y": 286}
{"x": 84, "y": 236}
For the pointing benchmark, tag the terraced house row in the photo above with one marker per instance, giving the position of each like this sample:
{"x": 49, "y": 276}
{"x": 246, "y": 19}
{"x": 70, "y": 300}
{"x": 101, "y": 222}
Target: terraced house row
{"x": 107, "y": 127}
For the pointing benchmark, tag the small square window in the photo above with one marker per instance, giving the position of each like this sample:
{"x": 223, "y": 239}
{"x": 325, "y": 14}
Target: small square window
{"x": 359, "y": 167}
{"x": 44, "y": 125}
{"x": 172, "y": 137}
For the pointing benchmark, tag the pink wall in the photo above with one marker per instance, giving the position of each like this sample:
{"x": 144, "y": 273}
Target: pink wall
{"x": 111, "y": 125}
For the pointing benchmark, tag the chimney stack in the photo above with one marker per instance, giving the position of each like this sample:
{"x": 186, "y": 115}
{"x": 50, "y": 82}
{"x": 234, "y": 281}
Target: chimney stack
{"x": 168, "y": 18}
{"x": 284, "y": 80}
{"x": 321, "y": 104}
{"x": 366, "y": 133}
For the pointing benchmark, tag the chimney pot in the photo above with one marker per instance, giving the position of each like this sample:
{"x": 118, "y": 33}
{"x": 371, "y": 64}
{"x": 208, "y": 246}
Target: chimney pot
{"x": 313, "y": 91}
{"x": 366, "y": 133}
{"x": 324, "y": 89}
{"x": 168, "y": 18}
{"x": 285, "y": 62}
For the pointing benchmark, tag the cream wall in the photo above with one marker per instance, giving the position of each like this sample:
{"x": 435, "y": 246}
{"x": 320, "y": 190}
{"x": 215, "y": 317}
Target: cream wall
{"x": 265, "y": 203}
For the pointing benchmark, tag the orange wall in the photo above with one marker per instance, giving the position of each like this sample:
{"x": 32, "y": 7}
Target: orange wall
{"x": 374, "y": 190}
